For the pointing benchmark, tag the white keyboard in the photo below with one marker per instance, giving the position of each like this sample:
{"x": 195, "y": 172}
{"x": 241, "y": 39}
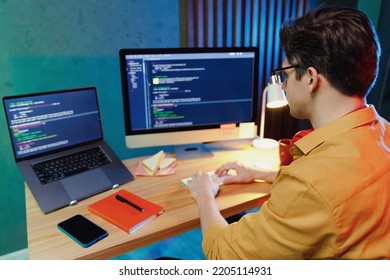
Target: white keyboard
{"x": 218, "y": 180}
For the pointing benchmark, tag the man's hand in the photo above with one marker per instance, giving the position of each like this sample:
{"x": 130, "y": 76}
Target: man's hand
{"x": 202, "y": 184}
{"x": 204, "y": 190}
{"x": 245, "y": 173}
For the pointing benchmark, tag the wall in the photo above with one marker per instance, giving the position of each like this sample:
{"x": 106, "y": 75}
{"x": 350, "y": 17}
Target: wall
{"x": 56, "y": 44}
{"x": 381, "y": 92}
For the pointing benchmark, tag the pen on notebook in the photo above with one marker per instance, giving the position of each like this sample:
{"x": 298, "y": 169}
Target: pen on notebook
{"x": 122, "y": 199}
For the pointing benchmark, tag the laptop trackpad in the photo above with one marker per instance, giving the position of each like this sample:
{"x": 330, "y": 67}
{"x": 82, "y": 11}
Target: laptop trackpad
{"x": 86, "y": 184}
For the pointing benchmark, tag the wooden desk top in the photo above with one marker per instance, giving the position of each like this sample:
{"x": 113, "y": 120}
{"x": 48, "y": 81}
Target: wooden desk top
{"x": 45, "y": 241}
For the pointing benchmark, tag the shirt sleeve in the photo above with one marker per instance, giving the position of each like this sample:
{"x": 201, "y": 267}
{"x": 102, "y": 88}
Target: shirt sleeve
{"x": 292, "y": 224}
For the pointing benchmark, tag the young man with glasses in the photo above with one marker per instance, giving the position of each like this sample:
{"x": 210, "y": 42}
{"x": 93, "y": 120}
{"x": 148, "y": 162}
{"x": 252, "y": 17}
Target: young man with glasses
{"x": 333, "y": 200}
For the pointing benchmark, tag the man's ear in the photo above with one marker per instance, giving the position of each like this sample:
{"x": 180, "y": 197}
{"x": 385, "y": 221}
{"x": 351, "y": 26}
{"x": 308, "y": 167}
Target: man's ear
{"x": 312, "y": 79}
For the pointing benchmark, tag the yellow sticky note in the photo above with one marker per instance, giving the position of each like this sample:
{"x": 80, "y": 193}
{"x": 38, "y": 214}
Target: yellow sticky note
{"x": 247, "y": 130}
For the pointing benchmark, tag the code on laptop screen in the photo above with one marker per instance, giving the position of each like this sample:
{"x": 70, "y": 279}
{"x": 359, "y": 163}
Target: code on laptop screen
{"x": 42, "y": 123}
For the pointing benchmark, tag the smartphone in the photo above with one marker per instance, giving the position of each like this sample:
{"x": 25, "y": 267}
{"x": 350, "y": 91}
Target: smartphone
{"x": 82, "y": 230}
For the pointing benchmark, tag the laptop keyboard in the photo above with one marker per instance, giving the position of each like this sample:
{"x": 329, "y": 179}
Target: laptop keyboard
{"x": 62, "y": 167}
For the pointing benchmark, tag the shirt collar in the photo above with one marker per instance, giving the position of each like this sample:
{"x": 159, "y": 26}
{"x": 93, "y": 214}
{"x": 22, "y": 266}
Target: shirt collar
{"x": 342, "y": 124}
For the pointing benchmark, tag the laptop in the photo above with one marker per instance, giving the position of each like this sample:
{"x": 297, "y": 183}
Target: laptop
{"x": 58, "y": 144}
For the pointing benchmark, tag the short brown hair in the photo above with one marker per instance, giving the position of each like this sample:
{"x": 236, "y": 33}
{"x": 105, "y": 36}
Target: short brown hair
{"x": 341, "y": 43}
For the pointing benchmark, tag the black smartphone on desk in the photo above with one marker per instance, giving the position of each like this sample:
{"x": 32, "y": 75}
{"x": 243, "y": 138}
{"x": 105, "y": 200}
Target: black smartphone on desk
{"x": 82, "y": 230}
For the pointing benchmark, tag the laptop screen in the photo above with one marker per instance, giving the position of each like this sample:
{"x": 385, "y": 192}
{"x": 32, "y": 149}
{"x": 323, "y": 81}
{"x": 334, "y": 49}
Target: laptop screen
{"x": 46, "y": 122}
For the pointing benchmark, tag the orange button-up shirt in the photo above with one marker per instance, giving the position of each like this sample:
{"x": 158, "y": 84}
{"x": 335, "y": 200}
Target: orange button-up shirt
{"x": 332, "y": 201}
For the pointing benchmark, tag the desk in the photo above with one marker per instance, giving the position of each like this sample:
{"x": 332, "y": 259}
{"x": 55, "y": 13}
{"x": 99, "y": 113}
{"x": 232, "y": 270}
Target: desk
{"x": 45, "y": 241}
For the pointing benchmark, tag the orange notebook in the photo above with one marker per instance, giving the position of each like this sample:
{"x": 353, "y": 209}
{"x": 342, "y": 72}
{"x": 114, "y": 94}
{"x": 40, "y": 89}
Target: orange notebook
{"x": 126, "y": 210}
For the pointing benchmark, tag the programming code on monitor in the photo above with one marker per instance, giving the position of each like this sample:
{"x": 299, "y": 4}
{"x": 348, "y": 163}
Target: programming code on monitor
{"x": 187, "y": 90}
{"x": 41, "y": 123}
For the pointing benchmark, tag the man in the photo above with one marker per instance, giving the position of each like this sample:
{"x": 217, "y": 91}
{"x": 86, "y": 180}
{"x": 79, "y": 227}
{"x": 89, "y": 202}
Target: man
{"x": 333, "y": 200}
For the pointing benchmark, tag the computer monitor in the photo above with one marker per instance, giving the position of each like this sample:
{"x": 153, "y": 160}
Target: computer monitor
{"x": 188, "y": 96}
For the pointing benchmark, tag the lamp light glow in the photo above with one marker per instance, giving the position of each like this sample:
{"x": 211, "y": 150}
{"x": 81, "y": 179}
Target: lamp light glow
{"x": 273, "y": 97}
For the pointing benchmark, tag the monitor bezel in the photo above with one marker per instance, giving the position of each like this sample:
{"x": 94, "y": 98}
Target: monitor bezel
{"x": 174, "y": 130}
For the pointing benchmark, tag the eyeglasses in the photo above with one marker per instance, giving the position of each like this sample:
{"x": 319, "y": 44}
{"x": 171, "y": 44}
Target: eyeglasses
{"x": 279, "y": 76}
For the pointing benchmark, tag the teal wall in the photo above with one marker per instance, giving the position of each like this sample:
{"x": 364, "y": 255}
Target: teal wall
{"x": 371, "y": 8}
{"x": 54, "y": 44}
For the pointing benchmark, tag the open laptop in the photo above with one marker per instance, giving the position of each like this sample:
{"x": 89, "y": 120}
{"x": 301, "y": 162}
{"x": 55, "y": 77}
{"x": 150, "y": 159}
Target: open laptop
{"x": 58, "y": 143}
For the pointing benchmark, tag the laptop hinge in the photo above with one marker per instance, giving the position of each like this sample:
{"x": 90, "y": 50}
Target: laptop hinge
{"x": 73, "y": 202}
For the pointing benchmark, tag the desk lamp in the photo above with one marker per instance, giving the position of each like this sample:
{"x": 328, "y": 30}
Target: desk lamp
{"x": 273, "y": 97}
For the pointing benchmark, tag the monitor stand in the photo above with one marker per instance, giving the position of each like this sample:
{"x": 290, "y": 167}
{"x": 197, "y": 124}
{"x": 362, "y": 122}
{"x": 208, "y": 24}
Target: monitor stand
{"x": 192, "y": 151}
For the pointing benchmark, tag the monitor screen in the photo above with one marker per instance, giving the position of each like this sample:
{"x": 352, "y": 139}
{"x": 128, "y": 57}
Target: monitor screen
{"x": 188, "y": 95}
{"x": 50, "y": 121}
